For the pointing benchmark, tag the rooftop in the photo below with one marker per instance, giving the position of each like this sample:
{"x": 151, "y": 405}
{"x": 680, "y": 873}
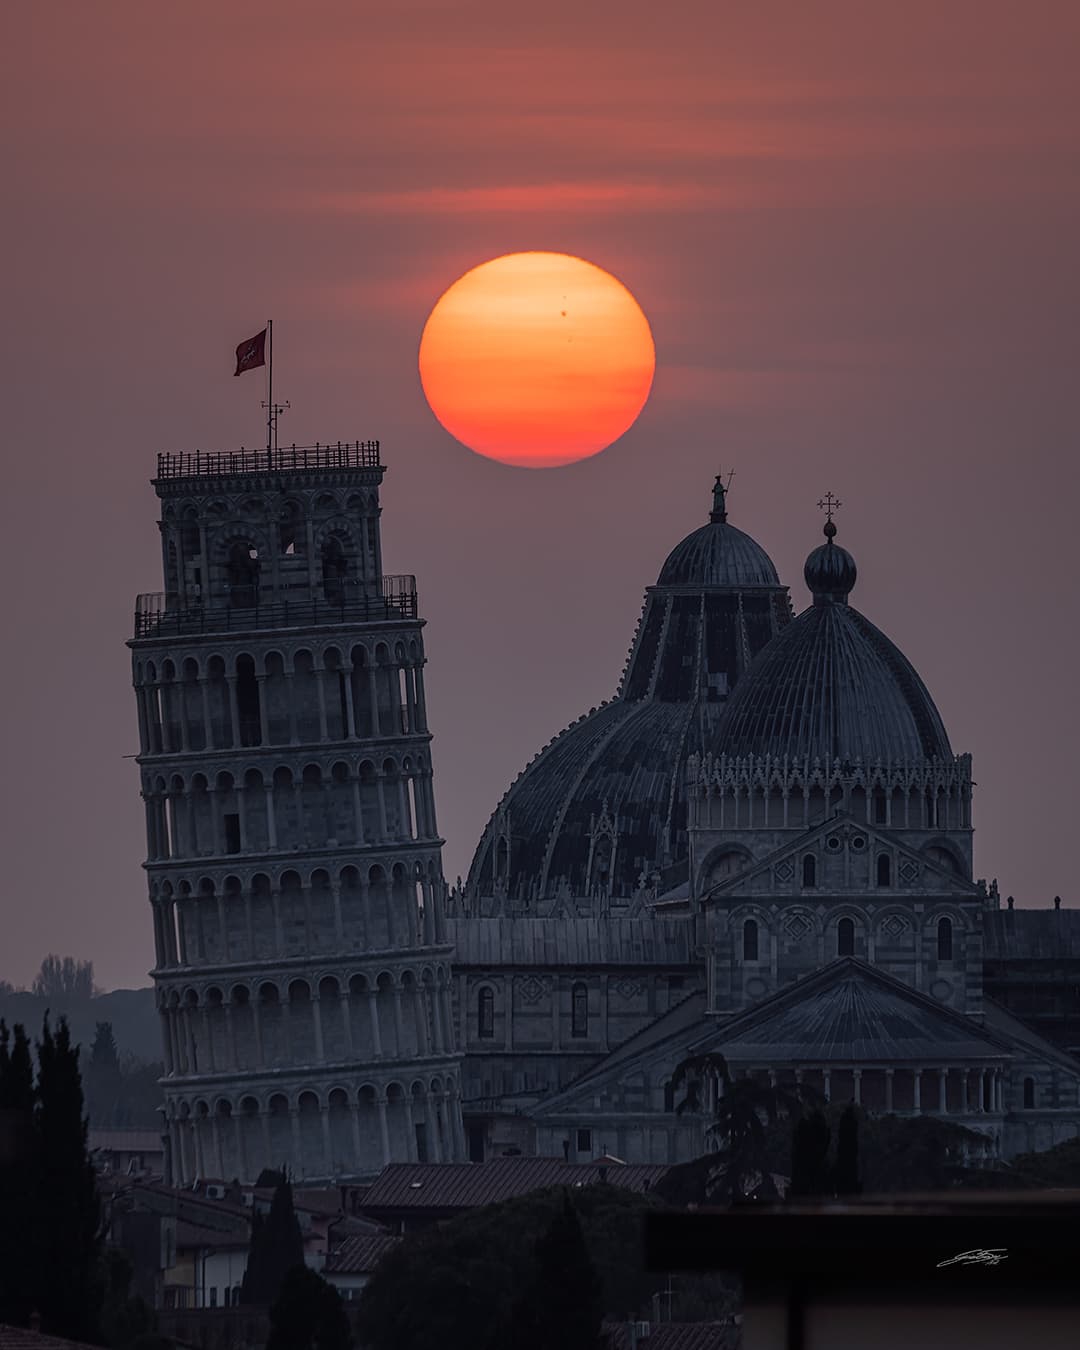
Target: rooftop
{"x": 458, "y": 1186}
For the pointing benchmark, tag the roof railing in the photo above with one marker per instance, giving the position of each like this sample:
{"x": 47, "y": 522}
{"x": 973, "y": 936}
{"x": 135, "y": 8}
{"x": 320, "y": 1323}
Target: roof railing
{"x": 289, "y": 458}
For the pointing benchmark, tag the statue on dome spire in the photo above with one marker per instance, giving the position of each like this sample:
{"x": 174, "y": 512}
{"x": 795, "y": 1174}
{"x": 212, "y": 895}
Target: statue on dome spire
{"x": 718, "y": 515}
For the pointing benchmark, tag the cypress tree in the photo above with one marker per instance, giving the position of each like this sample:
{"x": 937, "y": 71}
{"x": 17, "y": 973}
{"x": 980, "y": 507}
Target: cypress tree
{"x": 308, "y": 1315}
{"x": 67, "y": 1227}
{"x": 18, "y": 1157}
{"x": 277, "y": 1247}
{"x": 561, "y": 1308}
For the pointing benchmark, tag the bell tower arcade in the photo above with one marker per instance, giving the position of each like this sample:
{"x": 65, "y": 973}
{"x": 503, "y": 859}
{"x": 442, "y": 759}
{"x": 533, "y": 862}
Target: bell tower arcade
{"x": 294, "y": 863}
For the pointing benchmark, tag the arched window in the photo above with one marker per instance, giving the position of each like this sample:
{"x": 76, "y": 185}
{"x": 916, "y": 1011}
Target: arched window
{"x": 749, "y": 940}
{"x": 242, "y": 571}
{"x": 884, "y": 870}
{"x": 944, "y": 940}
{"x": 485, "y": 1013}
{"x": 809, "y": 871}
{"x": 1029, "y": 1094}
{"x": 845, "y": 938}
{"x": 579, "y": 1010}
{"x": 335, "y": 571}
{"x": 880, "y": 807}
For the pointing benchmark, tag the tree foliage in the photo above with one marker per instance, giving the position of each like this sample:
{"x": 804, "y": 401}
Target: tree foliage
{"x": 64, "y": 978}
{"x": 810, "y": 1169}
{"x": 308, "y": 1314}
{"x": 743, "y": 1111}
{"x": 277, "y": 1247}
{"x": 560, "y": 1306}
{"x": 846, "y": 1177}
{"x": 464, "y": 1285}
{"x": 50, "y": 1233}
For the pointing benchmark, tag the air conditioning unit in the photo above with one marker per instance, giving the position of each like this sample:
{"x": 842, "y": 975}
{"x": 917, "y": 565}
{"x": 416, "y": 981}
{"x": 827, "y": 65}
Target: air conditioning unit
{"x": 215, "y": 1192}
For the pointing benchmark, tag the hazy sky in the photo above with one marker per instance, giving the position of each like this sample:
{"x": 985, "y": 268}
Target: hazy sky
{"x": 853, "y": 227}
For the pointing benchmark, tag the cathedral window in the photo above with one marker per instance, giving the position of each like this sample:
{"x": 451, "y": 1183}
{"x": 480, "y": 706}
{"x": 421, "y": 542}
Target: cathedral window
{"x": 944, "y": 940}
{"x": 879, "y": 807}
{"x": 1029, "y": 1094}
{"x": 845, "y": 938}
{"x": 485, "y": 1013}
{"x": 750, "y": 940}
{"x": 809, "y": 871}
{"x": 884, "y": 870}
{"x": 579, "y": 1010}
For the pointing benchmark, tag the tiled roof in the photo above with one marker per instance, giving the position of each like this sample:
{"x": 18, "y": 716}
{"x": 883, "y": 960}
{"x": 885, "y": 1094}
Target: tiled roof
{"x": 358, "y": 1255}
{"x": 673, "y": 1336}
{"x": 1031, "y": 934}
{"x": 190, "y": 1235}
{"x": 570, "y": 942}
{"x": 456, "y": 1186}
{"x": 19, "y": 1338}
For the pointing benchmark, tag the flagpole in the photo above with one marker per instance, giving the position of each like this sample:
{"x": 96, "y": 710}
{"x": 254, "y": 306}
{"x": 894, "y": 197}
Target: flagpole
{"x": 270, "y": 376}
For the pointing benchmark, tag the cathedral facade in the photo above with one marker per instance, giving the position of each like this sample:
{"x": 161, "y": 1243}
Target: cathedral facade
{"x": 785, "y": 878}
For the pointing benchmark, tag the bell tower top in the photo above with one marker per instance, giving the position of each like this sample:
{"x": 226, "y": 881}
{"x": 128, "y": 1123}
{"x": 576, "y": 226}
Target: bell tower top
{"x": 257, "y": 538}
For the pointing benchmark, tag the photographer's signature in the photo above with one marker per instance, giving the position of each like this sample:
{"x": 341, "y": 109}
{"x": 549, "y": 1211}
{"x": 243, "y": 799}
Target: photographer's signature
{"x": 978, "y": 1256}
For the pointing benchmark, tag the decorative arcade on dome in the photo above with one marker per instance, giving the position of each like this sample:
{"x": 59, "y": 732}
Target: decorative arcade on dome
{"x": 294, "y": 862}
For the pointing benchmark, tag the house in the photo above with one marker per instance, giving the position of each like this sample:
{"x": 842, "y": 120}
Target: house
{"x": 350, "y": 1266}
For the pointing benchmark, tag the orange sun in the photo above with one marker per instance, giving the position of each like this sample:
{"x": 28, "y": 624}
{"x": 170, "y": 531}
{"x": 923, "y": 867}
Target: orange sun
{"x": 537, "y": 359}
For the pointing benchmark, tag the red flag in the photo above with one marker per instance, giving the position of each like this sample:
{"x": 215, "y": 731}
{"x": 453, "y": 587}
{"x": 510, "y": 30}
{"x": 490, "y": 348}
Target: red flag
{"x": 251, "y": 353}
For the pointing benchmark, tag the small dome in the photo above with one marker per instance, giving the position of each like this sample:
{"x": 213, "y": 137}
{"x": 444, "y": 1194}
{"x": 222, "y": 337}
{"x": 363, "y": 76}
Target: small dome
{"x": 830, "y": 571}
{"x": 718, "y": 555}
{"x": 832, "y": 686}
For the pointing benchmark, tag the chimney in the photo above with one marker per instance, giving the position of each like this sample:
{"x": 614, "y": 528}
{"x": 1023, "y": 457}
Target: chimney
{"x": 1057, "y": 901}
{"x": 1009, "y": 902}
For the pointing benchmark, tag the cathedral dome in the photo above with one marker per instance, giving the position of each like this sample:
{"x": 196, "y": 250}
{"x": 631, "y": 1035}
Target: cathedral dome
{"x": 718, "y": 554}
{"x": 831, "y": 686}
{"x": 605, "y": 801}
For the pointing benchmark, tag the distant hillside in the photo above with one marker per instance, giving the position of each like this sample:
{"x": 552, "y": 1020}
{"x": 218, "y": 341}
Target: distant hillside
{"x": 134, "y": 1019}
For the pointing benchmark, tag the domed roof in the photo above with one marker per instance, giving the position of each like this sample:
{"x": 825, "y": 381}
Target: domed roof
{"x": 718, "y": 554}
{"x": 606, "y": 799}
{"x": 832, "y": 686}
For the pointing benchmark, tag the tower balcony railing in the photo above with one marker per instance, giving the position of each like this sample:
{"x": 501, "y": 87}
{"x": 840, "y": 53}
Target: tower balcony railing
{"x": 158, "y": 615}
{"x": 289, "y": 458}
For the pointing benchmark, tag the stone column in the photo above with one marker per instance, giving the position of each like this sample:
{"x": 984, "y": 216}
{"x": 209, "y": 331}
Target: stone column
{"x": 328, "y": 1148}
{"x": 433, "y": 1101}
{"x": 399, "y": 1030}
{"x": 256, "y": 1027}
{"x": 410, "y": 1130}
{"x": 346, "y": 1019}
{"x": 826, "y": 1083}
{"x": 358, "y": 1142}
{"x": 421, "y": 705}
{"x": 271, "y": 817}
{"x": 215, "y": 1135}
{"x": 964, "y": 1096}
{"x": 365, "y": 906}
{"x": 320, "y": 694}
{"x": 264, "y": 1125}
{"x": 241, "y": 1150}
{"x": 290, "y": 700}
{"x": 449, "y": 1029}
{"x": 384, "y": 1129}
{"x": 458, "y": 1122}
{"x": 264, "y": 716}
{"x": 208, "y": 721}
{"x": 350, "y": 716}
{"x": 410, "y": 700}
{"x": 439, "y": 1046}
{"x": 404, "y": 832}
{"x": 384, "y": 828}
{"x": 316, "y": 1021}
{"x": 943, "y": 1091}
{"x": 373, "y": 1010}
{"x": 339, "y": 923}
{"x": 888, "y": 1091}
{"x": 916, "y": 1089}
{"x": 358, "y": 807}
{"x": 424, "y": 1046}
{"x": 980, "y": 1103}
{"x": 234, "y": 710}
{"x": 167, "y": 1044}
{"x": 856, "y": 1075}
{"x": 373, "y": 695}
{"x": 230, "y": 1036}
{"x": 297, "y": 1143}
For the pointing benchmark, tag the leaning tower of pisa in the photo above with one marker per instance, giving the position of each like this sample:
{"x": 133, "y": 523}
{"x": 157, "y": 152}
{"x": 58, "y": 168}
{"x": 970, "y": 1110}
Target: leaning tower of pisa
{"x": 302, "y": 967}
